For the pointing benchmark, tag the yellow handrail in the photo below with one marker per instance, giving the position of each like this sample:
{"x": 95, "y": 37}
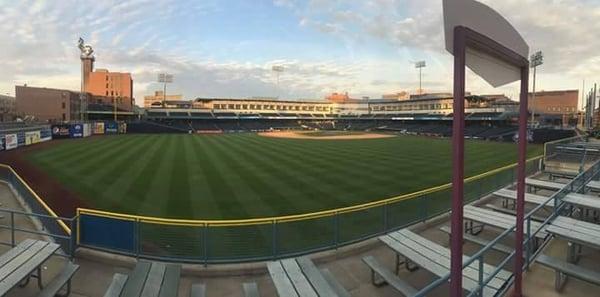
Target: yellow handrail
{"x": 40, "y": 200}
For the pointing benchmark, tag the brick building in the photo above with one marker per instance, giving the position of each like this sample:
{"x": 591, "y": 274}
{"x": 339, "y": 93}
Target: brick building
{"x": 554, "y": 102}
{"x": 110, "y": 86}
{"x": 51, "y": 105}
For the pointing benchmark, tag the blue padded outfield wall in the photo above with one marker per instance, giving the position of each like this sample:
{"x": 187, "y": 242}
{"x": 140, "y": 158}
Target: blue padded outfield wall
{"x": 107, "y": 233}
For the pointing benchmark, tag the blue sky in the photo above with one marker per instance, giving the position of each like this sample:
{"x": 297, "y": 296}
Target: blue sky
{"x": 227, "y": 48}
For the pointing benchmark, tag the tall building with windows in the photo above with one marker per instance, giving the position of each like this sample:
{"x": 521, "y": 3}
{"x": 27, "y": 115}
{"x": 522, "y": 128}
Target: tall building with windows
{"x": 109, "y": 87}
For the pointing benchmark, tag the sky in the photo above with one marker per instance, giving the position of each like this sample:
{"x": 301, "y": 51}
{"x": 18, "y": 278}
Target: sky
{"x": 226, "y": 48}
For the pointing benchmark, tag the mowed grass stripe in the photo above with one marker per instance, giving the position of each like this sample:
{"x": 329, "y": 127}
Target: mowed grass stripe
{"x": 198, "y": 187}
{"x": 180, "y": 196}
{"x": 70, "y": 153}
{"x": 234, "y": 175}
{"x": 134, "y": 195}
{"x": 324, "y": 162}
{"x": 84, "y": 162}
{"x": 245, "y": 175}
{"x": 156, "y": 196}
{"x": 275, "y": 183}
{"x": 260, "y": 187}
{"x": 322, "y": 188}
{"x": 217, "y": 179}
{"x": 73, "y": 147}
{"x": 114, "y": 195}
{"x": 112, "y": 170}
{"x": 119, "y": 172}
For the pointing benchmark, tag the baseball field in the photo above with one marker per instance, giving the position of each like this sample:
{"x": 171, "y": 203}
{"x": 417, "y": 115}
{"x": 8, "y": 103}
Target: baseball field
{"x": 235, "y": 176}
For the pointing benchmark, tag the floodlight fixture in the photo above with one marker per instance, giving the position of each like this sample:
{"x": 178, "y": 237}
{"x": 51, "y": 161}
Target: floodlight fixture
{"x": 535, "y": 60}
{"x": 165, "y": 78}
{"x": 420, "y": 65}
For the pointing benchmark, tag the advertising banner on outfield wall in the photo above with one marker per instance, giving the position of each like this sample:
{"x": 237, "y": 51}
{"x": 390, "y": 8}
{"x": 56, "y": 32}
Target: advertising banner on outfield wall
{"x": 60, "y": 131}
{"x": 76, "y": 131}
{"x": 87, "y": 130}
{"x": 99, "y": 128}
{"x": 111, "y": 127}
{"x": 10, "y": 141}
{"x": 32, "y": 137}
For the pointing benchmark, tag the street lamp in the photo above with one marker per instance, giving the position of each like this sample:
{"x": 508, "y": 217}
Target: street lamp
{"x": 165, "y": 78}
{"x": 537, "y": 59}
{"x": 420, "y": 65}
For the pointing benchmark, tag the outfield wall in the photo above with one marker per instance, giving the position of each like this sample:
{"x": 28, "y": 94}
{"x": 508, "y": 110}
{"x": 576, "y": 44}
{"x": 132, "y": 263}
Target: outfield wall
{"x": 225, "y": 241}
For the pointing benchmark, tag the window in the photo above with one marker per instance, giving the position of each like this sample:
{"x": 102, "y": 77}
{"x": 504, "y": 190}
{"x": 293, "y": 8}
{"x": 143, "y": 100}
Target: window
{"x": 106, "y": 93}
{"x": 64, "y": 117}
{"x": 64, "y": 105}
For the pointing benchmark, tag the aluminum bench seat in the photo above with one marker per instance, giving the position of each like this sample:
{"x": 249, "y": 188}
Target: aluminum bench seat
{"x": 436, "y": 259}
{"x": 593, "y": 185}
{"x": 250, "y": 290}
{"x": 576, "y": 231}
{"x": 563, "y": 269}
{"x": 300, "y": 277}
{"x": 531, "y": 198}
{"x": 480, "y": 241}
{"x": 58, "y": 282}
{"x": 388, "y": 277}
{"x": 582, "y": 200}
{"x": 543, "y": 184}
{"x": 497, "y": 219}
{"x": 198, "y": 290}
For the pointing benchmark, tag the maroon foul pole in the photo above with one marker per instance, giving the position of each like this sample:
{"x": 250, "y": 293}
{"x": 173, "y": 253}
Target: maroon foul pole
{"x": 467, "y": 38}
{"x": 518, "y": 291}
{"x": 458, "y": 158}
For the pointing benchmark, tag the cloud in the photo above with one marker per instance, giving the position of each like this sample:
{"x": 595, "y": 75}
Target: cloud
{"x": 379, "y": 38}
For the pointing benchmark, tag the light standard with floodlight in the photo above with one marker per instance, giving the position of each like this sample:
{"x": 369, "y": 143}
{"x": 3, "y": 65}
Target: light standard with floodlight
{"x": 420, "y": 65}
{"x": 537, "y": 59}
{"x": 277, "y": 69}
{"x": 165, "y": 78}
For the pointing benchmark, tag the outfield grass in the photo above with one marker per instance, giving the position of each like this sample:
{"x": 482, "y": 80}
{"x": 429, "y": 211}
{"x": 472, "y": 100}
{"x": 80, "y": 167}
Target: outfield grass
{"x": 246, "y": 176}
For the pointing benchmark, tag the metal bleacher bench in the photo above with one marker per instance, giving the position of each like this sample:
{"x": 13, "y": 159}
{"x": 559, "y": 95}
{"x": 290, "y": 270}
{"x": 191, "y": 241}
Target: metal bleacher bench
{"x": 495, "y": 219}
{"x": 436, "y": 259}
{"x": 198, "y": 290}
{"x": 300, "y": 277}
{"x": 58, "y": 282}
{"x": 250, "y": 290}
{"x": 563, "y": 269}
{"x": 531, "y": 198}
{"x": 561, "y": 173}
{"x": 542, "y": 184}
{"x": 480, "y": 241}
{"x": 593, "y": 185}
{"x": 388, "y": 277}
{"x": 146, "y": 279}
{"x": 576, "y": 233}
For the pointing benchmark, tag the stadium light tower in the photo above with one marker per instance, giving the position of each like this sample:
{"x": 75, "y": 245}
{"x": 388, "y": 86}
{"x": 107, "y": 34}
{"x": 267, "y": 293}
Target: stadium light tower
{"x": 165, "y": 78}
{"x": 278, "y": 69}
{"x": 420, "y": 65}
{"x": 536, "y": 60}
